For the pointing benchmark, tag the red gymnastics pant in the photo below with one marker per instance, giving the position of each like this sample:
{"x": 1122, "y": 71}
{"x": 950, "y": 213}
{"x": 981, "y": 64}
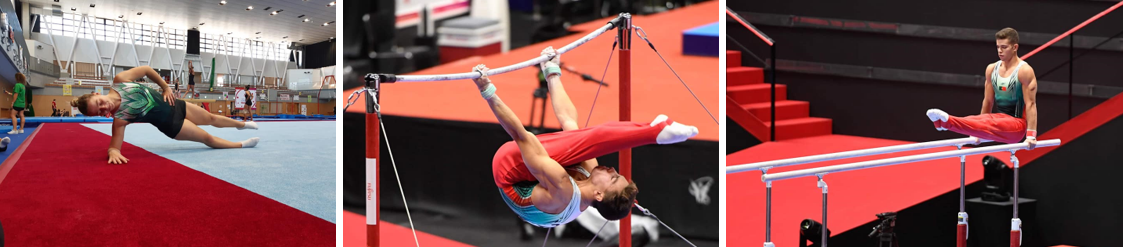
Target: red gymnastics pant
{"x": 570, "y": 148}
{"x": 997, "y": 127}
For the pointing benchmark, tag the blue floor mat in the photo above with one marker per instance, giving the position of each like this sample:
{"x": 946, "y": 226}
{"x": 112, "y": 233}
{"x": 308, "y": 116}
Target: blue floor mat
{"x": 17, "y": 140}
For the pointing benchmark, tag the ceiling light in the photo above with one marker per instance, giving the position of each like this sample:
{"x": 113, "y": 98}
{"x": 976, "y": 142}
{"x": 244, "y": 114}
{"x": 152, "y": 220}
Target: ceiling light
{"x": 120, "y": 16}
{"x": 73, "y": 9}
{"x": 161, "y": 23}
{"x": 301, "y": 40}
{"x": 328, "y": 23}
{"x": 56, "y": 1}
{"x": 331, "y": 4}
{"x": 306, "y": 20}
{"x": 268, "y": 8}
{"x": 286, "y": 37}
{"x": 274, "y": 13}
{"x": 250, "y": 7}
{"x": 258, "y": 33}
{"x": 201, "y": 23}
{"x": 138, "y": 13}
{"x": 301, "y": 16}
{"x": 92, "y": 5}
{"x": 258, "y": 37}
{"x": 223, "y": 2}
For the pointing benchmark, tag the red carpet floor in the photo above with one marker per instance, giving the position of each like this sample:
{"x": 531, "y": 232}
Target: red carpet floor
{"x": 355, "y": 234}
{"x": 654, "y": 88}
{"x": 61, "y": 192}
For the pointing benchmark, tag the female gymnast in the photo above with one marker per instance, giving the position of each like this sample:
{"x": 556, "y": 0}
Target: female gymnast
{"x": 128, "y": 102}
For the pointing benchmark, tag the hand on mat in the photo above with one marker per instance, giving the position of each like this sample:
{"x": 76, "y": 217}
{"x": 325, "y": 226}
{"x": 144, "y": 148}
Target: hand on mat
{"x": 481, "y": 82}
{"x": 169, "y": 96}
{"x": 115, "y": 157}
{"x": 553, "y": 62}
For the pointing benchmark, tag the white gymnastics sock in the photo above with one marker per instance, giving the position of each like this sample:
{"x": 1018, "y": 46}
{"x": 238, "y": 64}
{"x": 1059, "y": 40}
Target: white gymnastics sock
{"x": 249, "y": 125}
{"x": 249, "y": 143}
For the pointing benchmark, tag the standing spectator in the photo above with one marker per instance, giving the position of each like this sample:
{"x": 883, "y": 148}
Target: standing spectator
{"x": 19, "y": 104}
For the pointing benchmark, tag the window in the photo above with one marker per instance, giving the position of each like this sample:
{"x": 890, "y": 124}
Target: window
{"x": 108, "y": 29}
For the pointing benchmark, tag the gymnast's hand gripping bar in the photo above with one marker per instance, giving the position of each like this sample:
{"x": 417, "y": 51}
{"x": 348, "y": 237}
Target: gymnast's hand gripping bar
{"x": 390, "y": 78}
{"x": 819, "y": 171}
{"x": 852, "y": 154}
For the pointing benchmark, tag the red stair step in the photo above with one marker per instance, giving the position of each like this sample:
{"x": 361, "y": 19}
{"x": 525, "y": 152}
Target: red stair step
{"x": 746, "y": 120}
{"x": 732, "y": 59}
{"x": 786, "y": 109}
{"x": 743, "y": 76}
{"x": 801, "y": 127}
{"x": 756, "y": 93}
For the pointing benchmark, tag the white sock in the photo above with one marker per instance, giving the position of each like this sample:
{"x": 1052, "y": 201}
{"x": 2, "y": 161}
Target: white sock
{"x": 249, "y": 125}
{"x": 675, "y": 133}
{"x": 249, "y": 143}
{"x": 937, "y": 114}
{"x": 658, "y": 120}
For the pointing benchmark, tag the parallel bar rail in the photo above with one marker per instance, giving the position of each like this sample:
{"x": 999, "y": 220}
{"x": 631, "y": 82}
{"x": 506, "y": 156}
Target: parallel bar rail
{"x": 819, "y": 171}
{"x": 851, "y": 154}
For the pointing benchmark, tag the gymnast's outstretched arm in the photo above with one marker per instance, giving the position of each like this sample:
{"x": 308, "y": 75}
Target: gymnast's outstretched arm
{"x": 563, "y": 106}
{"x": 1028, "y": 78}
{"x": 115, "y": 142}
{"x": 549, "y": 173}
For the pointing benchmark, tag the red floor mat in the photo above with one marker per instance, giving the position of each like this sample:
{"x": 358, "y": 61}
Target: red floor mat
{"x": 355, "y": 234}
{"x": 62, "y": 193}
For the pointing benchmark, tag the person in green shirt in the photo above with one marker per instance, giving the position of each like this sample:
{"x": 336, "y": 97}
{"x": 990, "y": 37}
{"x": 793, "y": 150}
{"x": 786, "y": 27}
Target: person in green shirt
{"x": 19, "y": 104}
{"x": 128, "y": 102}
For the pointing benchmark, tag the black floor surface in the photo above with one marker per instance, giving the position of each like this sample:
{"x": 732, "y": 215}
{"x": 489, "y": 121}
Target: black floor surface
{"x": 505, "y": 232}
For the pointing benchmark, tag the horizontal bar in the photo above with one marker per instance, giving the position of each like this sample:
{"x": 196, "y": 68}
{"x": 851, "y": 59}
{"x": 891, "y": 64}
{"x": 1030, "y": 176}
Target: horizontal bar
{"x": 534, "y": 61}
{"x": 917, "y": 30}
{"x": 901, "y": 160}
{"x": 851, "y": 154}
{"x": 750, "y": 26}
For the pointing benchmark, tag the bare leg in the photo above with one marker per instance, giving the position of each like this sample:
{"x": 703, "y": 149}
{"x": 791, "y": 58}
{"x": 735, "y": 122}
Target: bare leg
{"x": 14, "y": 126}
{"x": 200, "y": 116}
{"x": 192, "y": 132}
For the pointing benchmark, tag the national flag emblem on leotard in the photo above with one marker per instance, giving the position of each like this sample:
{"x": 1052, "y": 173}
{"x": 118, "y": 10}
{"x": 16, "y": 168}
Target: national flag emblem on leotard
{"x": 1002, "y": 88}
